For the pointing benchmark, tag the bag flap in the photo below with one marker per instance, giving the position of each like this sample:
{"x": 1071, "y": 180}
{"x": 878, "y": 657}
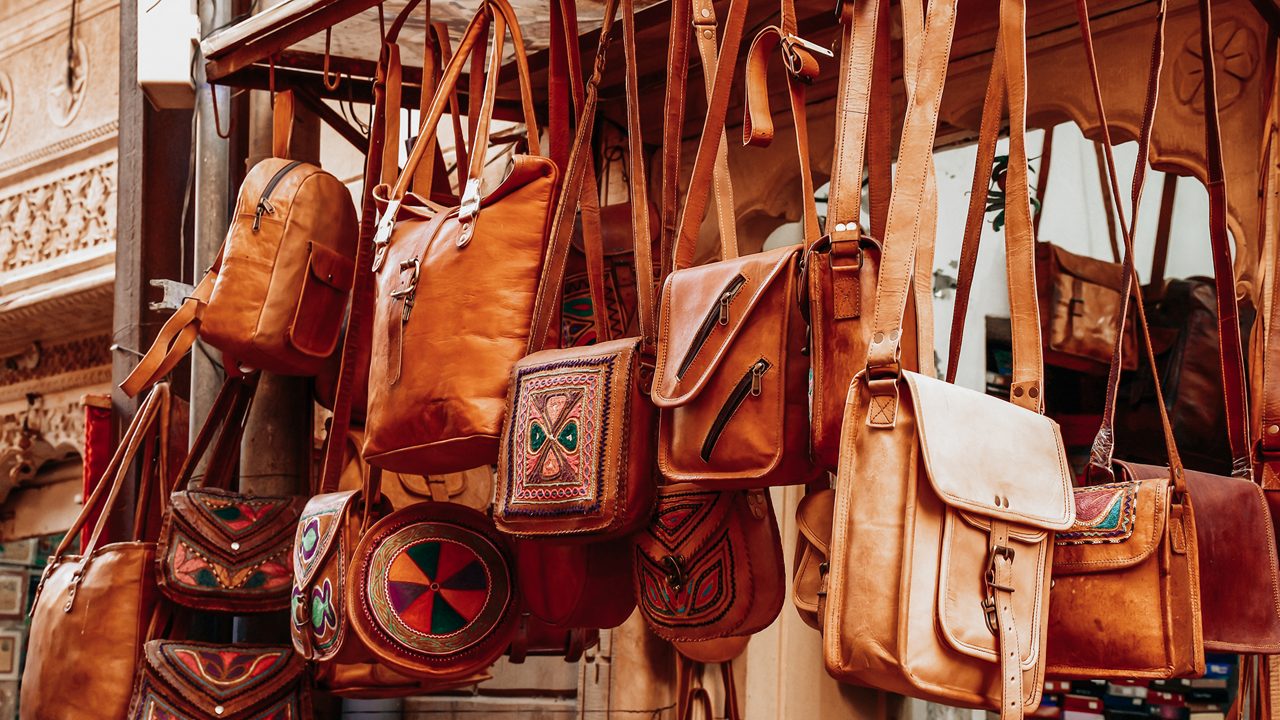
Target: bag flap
{"x": 692, "y": 339}
{"x": 615, "y": 229}
{"x": 234, "y": 678}
{"x": 991, "y": 457}
{"x": 814, "y": 516}
{"x": 1117, "y": 525}
{"x": 321, "y": 520}
{"x": 331, "y": 267}
{"x": 234, "y": 526}
{"x": 1089, "y": 269}
{"x": 686, "y": 518}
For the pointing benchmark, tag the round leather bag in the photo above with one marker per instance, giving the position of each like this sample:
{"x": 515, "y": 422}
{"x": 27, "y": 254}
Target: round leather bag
{"x": 434, "y": 591}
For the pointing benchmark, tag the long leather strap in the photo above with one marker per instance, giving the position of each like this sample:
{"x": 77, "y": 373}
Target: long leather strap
{"x": 282, "y": 111}
{"x": 673, "y": 112}
{"x": 1164, "y": 228}
{"x": 1267, "y": 469}
{"x": 639, "y": 187}
{"x": 880, "y": 129}
{"x": 226, "y": 422}
{"x": 704, "y": 33}
{"x": 860, "y": 24}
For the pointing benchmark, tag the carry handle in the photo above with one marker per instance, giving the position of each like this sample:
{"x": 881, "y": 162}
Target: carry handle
{"x": 107, "y": 491}
{"x": 282, "y": 114}
{"x": 226, "y": 421}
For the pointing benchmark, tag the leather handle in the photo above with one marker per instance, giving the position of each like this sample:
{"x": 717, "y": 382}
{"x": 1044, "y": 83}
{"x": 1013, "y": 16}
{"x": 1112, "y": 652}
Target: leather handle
{"x": 1268, "y": 387}
{"x": 704, "y": 33}
{"x": 639, "y": 187}
{"x": 282, "y": 114}
{"x": 107, "y": 491}
{"x": 860, "y": 38}
{"x": 226, "y": 421}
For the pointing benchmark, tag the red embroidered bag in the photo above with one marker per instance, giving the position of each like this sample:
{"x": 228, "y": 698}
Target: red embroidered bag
{"x": 196, "y": 681}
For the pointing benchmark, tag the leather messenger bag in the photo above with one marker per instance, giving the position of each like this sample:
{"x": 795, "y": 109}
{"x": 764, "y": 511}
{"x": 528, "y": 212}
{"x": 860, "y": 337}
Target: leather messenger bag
{"x": 457, "y": 287}
{"x": 947, "y": 499}
{"x": 732, "y": 378}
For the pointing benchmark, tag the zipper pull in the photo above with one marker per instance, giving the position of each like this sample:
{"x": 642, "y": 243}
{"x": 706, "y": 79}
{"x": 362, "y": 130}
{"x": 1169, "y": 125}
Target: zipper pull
{"x": 725, "y": 298}
{"x": 264, "y": 206}
{"x": 757, "y": 371}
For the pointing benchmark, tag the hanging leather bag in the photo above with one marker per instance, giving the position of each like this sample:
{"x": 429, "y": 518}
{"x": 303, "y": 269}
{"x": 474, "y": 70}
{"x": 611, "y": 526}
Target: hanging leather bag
{"x": 576, "y": 461}
{"x": 732, "y": 379}
{"x": 709, "y": 565}
{"x": 441, "y": 359}
{"x": 203, "y": 681}
{"x": 947, "y": 499}
{"x": 92, "y": 612}
{"x": 220, "y": 549}
{"x": 275, "y": 296}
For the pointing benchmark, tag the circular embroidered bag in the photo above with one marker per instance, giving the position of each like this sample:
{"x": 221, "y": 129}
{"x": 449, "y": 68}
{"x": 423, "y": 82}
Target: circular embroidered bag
{"x": 434, "y": 594}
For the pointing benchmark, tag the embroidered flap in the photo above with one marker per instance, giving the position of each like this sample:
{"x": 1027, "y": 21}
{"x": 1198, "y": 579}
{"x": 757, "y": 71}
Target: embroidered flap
{"x": 319, "y": 571}
{"x": 562, "y": 446}
{"x": 703, "y": 310}
{"x": 221, "y": 546}
{"x": 321, "y": 519}
{"x": 685, "y": 520}
{"x": 221, "y": 681}
{"x": 990, "y": 457}
{"x": 1117, "y": 525}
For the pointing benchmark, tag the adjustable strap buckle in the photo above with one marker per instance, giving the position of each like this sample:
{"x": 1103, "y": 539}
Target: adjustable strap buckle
{"x": 468, "y": 210}
{"x": 994, "y": 583}
{"x": 410, "y": 289}
{"x": 797, "y": 55}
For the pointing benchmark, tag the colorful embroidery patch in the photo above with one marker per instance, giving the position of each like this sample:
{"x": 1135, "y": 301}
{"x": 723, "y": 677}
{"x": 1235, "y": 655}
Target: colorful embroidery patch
{"x": 556, "y": 443}
{"x": 1104, "y": 514}
{"x": 687, "y": 592}
{"x": 577, "y": 319}
{"x": 679, "y": 516}
{"x": 437, "y": 588}
{"x": 239, "y": 516}
{"x": 152, "y": 706}
{"x": 226, "y": 672}
{"x": 193, "y": 569}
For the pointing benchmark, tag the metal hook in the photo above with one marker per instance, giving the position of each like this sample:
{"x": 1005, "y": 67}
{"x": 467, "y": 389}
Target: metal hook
{"x": 337, "y": 78}
{"x": 217, "y": 124}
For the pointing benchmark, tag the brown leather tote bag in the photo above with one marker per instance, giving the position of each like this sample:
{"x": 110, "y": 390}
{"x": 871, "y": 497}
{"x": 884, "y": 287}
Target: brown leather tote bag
{"x": 275, "y": 296}
{"x": 732, "y": 377}
{"x": 219, "y": 549}
{"x": 457, "y": 288}
{"x": 947, "y": 499}
{"x": 92, "y": 612}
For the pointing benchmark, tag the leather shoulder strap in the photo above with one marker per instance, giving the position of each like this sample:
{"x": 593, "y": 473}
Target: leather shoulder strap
{"x": 860, "y": 38}
{"x": 282, "y": 111}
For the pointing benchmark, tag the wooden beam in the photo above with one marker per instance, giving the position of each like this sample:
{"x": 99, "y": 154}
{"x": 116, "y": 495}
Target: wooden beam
{"x": 258, "y": 38}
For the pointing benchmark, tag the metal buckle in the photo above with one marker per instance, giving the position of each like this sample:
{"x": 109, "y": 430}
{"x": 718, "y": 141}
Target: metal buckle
{"x": 674, "y": 565}
{"x": 470, "y": 200}
{"x": 989, "y": 603}
{"x": 410, "y": 288}
{"x": 382, "y": 238}
{"x": 811, "y": 46}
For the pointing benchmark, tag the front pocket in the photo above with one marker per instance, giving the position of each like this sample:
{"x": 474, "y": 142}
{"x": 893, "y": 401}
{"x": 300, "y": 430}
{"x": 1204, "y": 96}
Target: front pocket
{"x": 718, "y": 315}
{"x": 748, "y": 386}
{"x": 317, "y": 321}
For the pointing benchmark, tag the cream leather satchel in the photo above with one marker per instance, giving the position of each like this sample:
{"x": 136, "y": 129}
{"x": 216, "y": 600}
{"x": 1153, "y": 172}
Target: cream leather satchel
{"x": 947, "y": 499}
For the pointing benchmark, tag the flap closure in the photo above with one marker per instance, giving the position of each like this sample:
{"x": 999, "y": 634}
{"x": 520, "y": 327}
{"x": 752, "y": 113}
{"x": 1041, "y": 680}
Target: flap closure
{"x": 615, "y": 229}
{"x": 1089, "y": 269}
{"x": 235, "y": 527}
{"x": 686, "y": 519}
{"x": 703, "y": 310}
{"x": 990, "y": 457}
{"x": 226, "y": 680}
{"x": 331, "y": 267}
{"x": 814, "y": 516}
{"x": 1117, "y": 525}
{"x": 321, "y": 520}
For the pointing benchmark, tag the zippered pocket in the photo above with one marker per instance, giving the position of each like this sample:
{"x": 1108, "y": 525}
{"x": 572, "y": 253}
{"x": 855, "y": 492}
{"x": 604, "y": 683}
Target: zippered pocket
{"x": 718, "y": 315}
{"x": 748, "y": 386}
{"x": 264, "y": 202}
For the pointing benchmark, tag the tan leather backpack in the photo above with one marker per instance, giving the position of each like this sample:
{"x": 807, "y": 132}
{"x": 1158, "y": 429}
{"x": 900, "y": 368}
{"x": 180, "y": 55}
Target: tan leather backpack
{"x": 275, "y": 296}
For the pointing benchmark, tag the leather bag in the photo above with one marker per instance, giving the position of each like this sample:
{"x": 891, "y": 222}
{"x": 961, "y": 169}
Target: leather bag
{"x": 220, "y": 549}
{"x": 947, "y": 499}
{"x": 473, "y": 488}
{"x": 813, "y": 548}
{"x": 710, "y": 564}
{"x": 590, "y": 586}
{"x": 432, "y": 592}
{"x": 92, "y": 612}
{"x": 204, "y": 681}
{"x": 456, "y": 288}
{"x": 732, "y": 378}
{"x": 576, "y": 461}
{"x": 275, "y": 296}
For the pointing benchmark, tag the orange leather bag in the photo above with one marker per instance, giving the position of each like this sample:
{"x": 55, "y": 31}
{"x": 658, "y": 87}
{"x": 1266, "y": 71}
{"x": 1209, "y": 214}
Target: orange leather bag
{"x": 203, "y": 681}
{"x": 576, "y": 461}
{"x": 457, "y": 288}
{"x": 275, "y": 296}
{"x": 947, "y": 499}
{"x": 93, "y": 612}
{"x": 732, "y": 378}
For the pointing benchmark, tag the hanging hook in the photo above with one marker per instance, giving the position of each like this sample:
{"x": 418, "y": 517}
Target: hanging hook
{"x": 217, "y": 124}
{"x": 337, "y": 78}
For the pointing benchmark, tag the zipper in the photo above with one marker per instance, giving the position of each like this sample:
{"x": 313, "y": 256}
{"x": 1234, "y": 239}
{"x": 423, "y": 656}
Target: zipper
{"x": 719, "y": 315}
{"x": 749, "y": 385}
{"x": 264, "y": 202}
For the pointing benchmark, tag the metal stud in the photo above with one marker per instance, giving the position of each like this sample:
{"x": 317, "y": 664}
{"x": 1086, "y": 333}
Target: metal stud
{"x": 218, "y": 710}
{"x": 235, "y": 546}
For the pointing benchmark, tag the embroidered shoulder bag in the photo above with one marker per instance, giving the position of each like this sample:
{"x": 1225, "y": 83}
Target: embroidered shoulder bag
{"x": 275, "y": 296}
{"x": 202, "y": 681}
{"x": 220, "y": 549}
{"x": 947, "y": 499}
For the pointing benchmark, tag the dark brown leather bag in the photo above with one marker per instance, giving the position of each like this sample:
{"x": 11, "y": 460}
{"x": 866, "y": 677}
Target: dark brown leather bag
{"x": 732, "y": 377}
{"x": 275, "y": 295}
{"x": 710, "y": 564}
{"x": 203, "y": 681}
{"x": 576, "y": 461}
{"x": 92, "y": 612}
{"x": 219, "y": 549}
{"x": 442, "y": 358}
{"x": 575, "y": 585}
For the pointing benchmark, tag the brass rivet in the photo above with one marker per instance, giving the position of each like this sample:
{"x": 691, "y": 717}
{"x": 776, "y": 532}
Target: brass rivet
{"x": 706, "y": 33}
{"x": 219, "y": 710}
{"x": 706, "y": 12}
{"x": 235, "y": 546}
{"x": 893, "y": 336}
{"x": 1034, "y": 392}
{"x": 877, "y": 338}
{"x": 1017, "y": 392}
{"x": 1274, "y": 429}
